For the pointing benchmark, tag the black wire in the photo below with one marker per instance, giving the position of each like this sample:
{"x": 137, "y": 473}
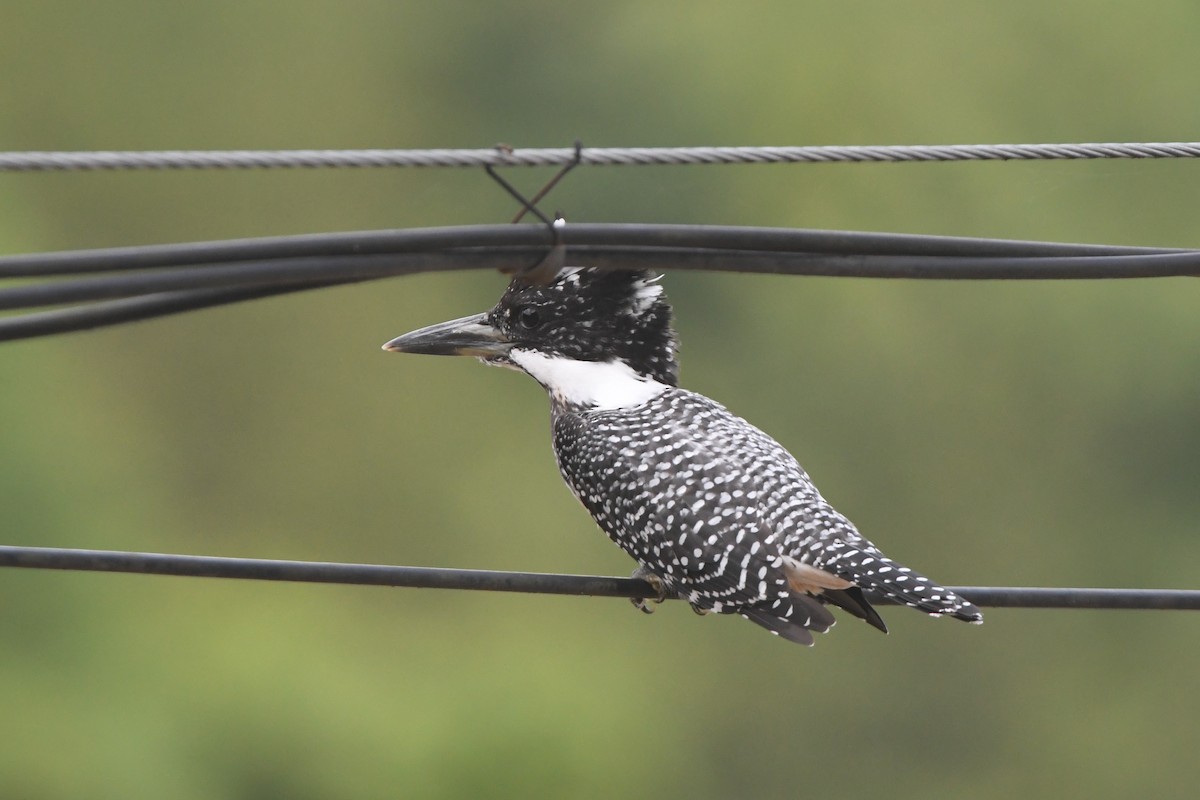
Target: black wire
{"x": 348, "y": 269}
{"x": 318, "y": 572}
{"x": 333, "y": 270}
{"x": 526, "y": 582}
{"x": 166, "y": 279}
{"x": 426, "y": 239}
{"x": 281, "y": 274}
{"x": 115, "y": 312}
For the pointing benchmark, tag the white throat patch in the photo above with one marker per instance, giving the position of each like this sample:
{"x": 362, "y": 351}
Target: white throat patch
{"x": 601, "y": 385}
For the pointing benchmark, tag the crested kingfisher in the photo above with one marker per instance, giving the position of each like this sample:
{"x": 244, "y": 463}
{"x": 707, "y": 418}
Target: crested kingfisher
{"x": 713, "y": 510}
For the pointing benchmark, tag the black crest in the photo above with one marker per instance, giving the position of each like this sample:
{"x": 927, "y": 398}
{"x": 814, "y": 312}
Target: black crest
{"x": 593, "y": 315}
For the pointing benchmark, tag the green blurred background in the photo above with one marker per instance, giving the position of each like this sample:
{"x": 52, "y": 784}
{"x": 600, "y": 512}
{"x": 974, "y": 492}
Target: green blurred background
{"x": 1002, "y": 434}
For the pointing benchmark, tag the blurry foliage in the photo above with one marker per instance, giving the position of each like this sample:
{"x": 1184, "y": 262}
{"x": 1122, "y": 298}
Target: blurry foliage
{"x": 985, "y": 432}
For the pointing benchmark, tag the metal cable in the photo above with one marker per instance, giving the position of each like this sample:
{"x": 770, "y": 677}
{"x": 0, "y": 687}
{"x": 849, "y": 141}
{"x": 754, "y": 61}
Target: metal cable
{"x": 412, "y": 240}
{"x": 134, "y": 283}
{"x": 597, "y": 156}
{"x": 527, "y": 582}
{"x": 348, "y": 269}
{"x": 134, "y": 309}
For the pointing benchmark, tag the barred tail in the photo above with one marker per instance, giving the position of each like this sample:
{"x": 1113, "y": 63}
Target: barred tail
{"x": 874, "y": 572}
{"x": 793, "y": 618}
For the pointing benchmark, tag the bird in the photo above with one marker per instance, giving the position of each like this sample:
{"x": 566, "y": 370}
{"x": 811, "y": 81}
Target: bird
{"x": 713, "y": 510}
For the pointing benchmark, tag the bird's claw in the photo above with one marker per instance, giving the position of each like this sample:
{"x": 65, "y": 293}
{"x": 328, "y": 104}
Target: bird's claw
{"x": 656, "y": 583}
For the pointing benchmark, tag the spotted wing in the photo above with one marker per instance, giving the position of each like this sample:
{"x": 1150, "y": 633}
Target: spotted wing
{"x": 684, "y": 509}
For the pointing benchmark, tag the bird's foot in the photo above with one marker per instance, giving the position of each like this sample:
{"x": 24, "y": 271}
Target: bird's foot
{"x": 656, "y": 583}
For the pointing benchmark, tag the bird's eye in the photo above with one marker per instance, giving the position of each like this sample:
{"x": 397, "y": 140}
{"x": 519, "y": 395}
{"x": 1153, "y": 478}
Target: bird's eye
{"x": 528, "y": 318}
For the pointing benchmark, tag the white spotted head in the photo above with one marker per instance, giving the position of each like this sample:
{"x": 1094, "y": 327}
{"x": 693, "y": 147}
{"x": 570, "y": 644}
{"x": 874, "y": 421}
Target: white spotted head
{"x": 593, "y": 315}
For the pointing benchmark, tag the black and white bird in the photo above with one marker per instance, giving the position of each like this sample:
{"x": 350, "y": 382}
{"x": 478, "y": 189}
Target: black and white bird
{"x": 714, "y": 510}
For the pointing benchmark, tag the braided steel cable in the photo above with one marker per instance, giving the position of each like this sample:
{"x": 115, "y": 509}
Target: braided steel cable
{"x": 501, "y": 156}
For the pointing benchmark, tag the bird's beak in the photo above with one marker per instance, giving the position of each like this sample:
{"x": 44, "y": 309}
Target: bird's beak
{"x": 469, "y": 336}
